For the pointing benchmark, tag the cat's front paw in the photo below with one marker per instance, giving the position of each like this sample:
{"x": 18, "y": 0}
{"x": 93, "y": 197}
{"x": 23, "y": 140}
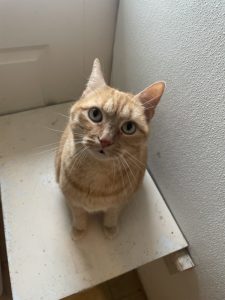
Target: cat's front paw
{"x": 77, "y": 234}
{"x": 111, "y": 232}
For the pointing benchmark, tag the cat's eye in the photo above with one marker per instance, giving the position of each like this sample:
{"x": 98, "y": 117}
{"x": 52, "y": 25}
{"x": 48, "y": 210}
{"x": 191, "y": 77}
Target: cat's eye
{"x": 95, "y": 114}
{"x": 129, "y": 127}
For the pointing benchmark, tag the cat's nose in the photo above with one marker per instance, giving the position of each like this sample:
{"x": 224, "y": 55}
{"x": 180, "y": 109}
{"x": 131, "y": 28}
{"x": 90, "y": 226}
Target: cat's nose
{"x": 105, "y": 142}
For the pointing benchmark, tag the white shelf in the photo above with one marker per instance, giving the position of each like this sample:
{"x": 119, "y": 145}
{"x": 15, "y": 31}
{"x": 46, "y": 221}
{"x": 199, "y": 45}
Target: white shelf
{"x": 44, "y": 262}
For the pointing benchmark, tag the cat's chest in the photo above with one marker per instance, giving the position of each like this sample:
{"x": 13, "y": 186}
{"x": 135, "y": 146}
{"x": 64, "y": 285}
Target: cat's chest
{"x": 95, "y": 177}
{"x": 98, "y": 187}
{"x": 101, "y": 179}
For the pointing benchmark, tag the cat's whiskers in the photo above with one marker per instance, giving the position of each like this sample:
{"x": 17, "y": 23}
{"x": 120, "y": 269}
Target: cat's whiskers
{"x": 76, "y": 158}
{"x": 64, "y": 115}
{"x": 134, "y": 163}
{"x": 52, "y": 129}
{"x": 127, "y": 167}
{"x": 51, "y": 144}
{"x": 89, "y": 140}
{"x": 42, "y": 146}
{"x": 82, "y": 157}
{"x": 121, "y": 173}
{"x": 48, "y": 151}
{"x": 126, "y": 171}
{"x": 135, "y": 159}
{"x": 79, "y": 139}
{"x": 53, "y": 149}
{"x": 78, "y": 134}
{"x": 126, "y": 176}
{"x": 126, "y": 162}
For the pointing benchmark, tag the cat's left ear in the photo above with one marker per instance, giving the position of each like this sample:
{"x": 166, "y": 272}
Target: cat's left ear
{"x": 96, "y": 79}
{"x": 150, "y": 97}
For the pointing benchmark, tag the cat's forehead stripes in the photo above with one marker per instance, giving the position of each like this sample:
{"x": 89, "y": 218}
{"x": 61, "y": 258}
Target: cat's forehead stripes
{"x": 109, "y": 106}
{"x": 118, "y": 103}
{"x": 129, "y": 110}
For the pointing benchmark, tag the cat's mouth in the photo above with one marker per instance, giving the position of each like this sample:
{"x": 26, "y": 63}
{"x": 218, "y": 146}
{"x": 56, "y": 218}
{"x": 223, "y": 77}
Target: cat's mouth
{"x": 102, "y": 151}
{"x": 102, "y": 154}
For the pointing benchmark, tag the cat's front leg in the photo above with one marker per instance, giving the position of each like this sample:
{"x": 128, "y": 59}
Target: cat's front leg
{"x": 110, "y": 222}
{"x": 80, "y": 222}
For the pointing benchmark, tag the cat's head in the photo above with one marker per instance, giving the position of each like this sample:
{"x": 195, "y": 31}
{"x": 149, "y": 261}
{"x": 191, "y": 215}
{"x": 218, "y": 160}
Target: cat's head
{"x": 112, "y": 123}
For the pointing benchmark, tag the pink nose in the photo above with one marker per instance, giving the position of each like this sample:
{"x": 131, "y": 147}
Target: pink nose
{"x": 105, "y": 143}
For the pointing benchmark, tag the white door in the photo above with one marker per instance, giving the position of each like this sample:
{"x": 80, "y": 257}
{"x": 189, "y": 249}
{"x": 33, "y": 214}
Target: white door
{"x": 47, "y": 48}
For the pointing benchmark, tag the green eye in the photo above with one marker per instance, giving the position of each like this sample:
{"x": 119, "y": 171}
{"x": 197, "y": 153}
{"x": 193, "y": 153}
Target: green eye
{"x": 129, "y": 127}
{"x": 95, "y": 114}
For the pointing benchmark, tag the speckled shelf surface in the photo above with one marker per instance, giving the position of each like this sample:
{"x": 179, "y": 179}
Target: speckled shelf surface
{"x": 44, "y": 262}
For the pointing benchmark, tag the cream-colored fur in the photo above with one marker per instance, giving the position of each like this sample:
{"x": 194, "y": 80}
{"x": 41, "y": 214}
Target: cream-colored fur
{"x": 98, "y": 165}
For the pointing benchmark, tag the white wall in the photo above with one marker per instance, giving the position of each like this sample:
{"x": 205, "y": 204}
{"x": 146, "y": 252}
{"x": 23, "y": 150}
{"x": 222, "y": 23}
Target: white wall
{"x": 183, "y": 43}
{"x": 47, "y": 49}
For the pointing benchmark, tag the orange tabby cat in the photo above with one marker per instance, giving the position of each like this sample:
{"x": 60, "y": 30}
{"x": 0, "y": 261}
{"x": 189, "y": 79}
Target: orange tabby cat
{"x": 102, "y": 155}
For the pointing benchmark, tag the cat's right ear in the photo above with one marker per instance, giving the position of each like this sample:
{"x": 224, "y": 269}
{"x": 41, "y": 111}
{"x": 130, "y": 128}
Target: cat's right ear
{"x": 96, "y": 79}
{"x": 150, "y": 98}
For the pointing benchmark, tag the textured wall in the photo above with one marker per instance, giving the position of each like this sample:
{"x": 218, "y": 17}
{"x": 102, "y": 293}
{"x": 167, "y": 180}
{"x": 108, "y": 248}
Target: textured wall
{"x": 183, "y": 43}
